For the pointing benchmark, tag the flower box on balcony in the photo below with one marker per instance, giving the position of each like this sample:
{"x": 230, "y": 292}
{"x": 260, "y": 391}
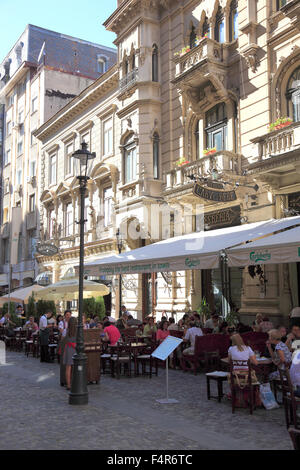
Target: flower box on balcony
{"x": 187, "y": 49}
{"x": 182, "y": 162}
{"x": 209, "y": 151}
{"x": 280, "y": 124}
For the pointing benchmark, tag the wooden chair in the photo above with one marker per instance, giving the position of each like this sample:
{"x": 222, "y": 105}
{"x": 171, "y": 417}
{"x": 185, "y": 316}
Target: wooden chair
{"x": 121, "y": 355}
{"x": 241, "y": 385}
{"x": 290, "y": 401}
{"x": 295, "y": 437}
{"x": 212, "y": 361}
{"x": 146, "y": 358}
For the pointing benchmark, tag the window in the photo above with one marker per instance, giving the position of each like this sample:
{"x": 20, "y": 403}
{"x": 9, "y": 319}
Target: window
{"x": 133, "y": 62}
{"x": 21, "y": 88}
{"x": 193, "y": 37}
{"x": 101, "y": 64}
{"x": 108, "y": 137}
{"x": 233, "y": 21}
{"x": 34, "y": 104}
{"x": 50, "y": 222}
{"x": 7, "y": 157}
{"x": 6, "y": 186}
{"x": 21, "y": 117}
{"x": 8, "y": 128}
{"x": 206, "y": 28}
{"x": 20, "y": 147}
{"x": 52, "y": 170}
{"x": 19, "y": 171}
{"x": 32, "y": 203}
{"x": 6, "y": 251}
{"x": 32, "y": 140}
{"x": 130, "y": 162}
{"x": 5, "y": 215}
{"x": 156, "y": 156}
{"x": 32, "y": 168}
{"x": 107, "y": 199}
{"x": 216, "y": 127}
{"x": 293, "y": 95}
{"x": 280, "y": 3}
{"x": 154, "y": 63}
{"x": 69, "y": 161}
{"x": 69, "y": 219}
{"x": 10, "y": 100}
{"x": 220, "y": 26}
{"x": 31, "y": 244}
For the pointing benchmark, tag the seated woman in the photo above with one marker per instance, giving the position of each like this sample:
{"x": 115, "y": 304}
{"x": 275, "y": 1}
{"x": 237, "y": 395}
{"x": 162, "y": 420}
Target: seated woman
{"x": 240, "y": 352}
{"x": 281, "y": 356}
{"x": 162, "y": 331}
{"x": 150, "y": 327}
{"x": 31, "y": 325}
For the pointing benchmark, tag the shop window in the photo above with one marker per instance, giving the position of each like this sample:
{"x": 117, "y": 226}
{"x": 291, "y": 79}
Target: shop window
{"x": 293, "y": 95}
{"x": 220, "y": 26}
{"x": 216, "y": 127}
{"x": 233, "y": 21}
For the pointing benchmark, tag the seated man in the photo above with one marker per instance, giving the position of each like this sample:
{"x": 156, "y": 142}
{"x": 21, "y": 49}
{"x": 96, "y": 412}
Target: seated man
{"x": 190, "y": 336}
{"x": 31, "y": 325}
{"x": 122, "y": 322}
{"x": 293, "y": 339}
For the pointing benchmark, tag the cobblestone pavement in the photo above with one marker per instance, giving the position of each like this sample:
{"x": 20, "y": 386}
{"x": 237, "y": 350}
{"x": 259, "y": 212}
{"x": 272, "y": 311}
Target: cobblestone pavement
{"x": 123, "y": 414}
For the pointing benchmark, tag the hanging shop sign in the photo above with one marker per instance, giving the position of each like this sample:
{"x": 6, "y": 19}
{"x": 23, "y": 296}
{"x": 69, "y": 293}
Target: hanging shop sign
{"x": 216, "y": 195}
{"x": 47, "y": 249}
{"x": 222, "y": 218}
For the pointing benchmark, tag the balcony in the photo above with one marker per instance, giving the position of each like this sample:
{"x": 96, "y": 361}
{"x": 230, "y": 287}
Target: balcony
{"x": 292, "y": 10}
{"x": 224, "y": 161}
{"x": 207, "y": 52}
{"x": 128, "y": 80}
{"x": 277, "y": 153}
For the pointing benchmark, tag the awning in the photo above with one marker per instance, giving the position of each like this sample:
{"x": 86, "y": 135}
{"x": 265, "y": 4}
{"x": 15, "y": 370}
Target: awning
{"x": 199, "y": 250}
{"x": 281, "y": 248}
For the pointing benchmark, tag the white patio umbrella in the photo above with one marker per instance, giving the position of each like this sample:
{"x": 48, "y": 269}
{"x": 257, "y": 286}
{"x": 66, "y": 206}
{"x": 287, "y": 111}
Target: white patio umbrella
{"x": 21, "y": 295}
{"x": 69, "y": 290}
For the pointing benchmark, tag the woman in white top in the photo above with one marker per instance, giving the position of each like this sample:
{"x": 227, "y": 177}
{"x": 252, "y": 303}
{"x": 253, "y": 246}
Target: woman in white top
{"x": 240, "y": 352}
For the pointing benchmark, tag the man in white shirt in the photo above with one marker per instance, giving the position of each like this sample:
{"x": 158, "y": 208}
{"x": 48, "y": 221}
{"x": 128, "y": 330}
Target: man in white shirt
{"x": 44, "y": 336}
{"x": 190, "y": 336}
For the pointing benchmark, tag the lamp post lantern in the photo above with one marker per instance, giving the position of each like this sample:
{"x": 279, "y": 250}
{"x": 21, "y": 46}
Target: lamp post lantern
{"x": 79, "y": 393}
{"x": 120, "y": 246}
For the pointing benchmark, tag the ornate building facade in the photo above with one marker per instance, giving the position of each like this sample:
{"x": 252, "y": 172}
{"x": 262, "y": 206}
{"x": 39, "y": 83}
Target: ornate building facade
{"x": 195, "y": 96}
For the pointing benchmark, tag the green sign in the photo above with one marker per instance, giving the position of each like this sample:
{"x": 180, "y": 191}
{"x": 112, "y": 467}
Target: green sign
{"x": 259, "y": 257}
{"x": 298, "y": 251}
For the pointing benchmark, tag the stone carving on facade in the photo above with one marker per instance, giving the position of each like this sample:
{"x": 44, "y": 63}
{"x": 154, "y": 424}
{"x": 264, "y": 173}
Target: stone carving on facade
{"x": 250, "y": 55}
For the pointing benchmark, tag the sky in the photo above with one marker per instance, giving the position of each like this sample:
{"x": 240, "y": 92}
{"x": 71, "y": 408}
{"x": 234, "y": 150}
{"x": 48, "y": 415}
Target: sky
{"x": 78, "y": 18}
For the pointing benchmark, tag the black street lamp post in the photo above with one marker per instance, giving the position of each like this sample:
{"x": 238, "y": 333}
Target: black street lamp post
{"x": 120, "y": 246}
{"x": 79, "y": 393}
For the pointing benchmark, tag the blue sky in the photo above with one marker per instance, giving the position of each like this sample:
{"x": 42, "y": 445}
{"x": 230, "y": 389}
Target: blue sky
{"x": 82, "y": 19}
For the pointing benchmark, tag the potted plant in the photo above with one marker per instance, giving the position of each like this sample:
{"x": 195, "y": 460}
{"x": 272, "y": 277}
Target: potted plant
{"x": 280, "y": 123}
{"x": 181, "y": 162}
{"x": 209, "y": 151}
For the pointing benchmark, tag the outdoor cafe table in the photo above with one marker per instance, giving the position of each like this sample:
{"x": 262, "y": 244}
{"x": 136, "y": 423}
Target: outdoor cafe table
{"x": 136, "y": 349}
{"x": 264, "y": 368}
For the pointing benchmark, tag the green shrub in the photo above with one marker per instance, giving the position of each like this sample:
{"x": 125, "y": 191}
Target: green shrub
{"x": 94, "y": 307}
{"x": 31, "y": 308}
{"x": 43, "y": 306}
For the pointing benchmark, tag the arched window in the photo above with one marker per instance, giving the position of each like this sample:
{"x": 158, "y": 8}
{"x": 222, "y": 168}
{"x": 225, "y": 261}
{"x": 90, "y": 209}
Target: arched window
{"x": 156, "y": 156}
{"x": 154, "y": 63}
{"x": 126, "y": 66}
{"x": 233, "y": 21}
{"x": 130, "y": 160}
{"x": 220, "y": 26}
{"x": 206, "y": 28}
{"x": 293, "y": 95}
{"x": 193, "y": 37}
{"x": 133, "y": 62}
{"x": 216, "y": 127}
